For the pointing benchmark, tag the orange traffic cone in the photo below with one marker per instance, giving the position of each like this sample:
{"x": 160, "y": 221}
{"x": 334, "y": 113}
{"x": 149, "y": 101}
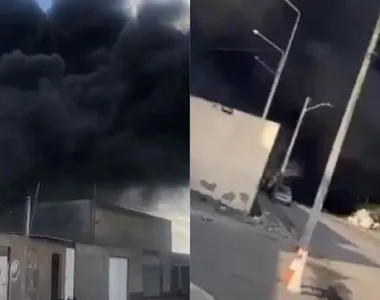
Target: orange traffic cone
{"x": 293, "y": 275}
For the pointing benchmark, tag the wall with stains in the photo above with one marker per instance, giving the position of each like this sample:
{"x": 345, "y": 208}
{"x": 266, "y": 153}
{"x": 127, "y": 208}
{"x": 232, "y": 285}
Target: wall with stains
{"x": 229, "y": 151}
{"x": 37, "y": 265}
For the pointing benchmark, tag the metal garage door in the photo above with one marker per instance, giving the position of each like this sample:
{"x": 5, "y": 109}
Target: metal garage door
{"x": 175, "y": 286}
{"x": 185, "y": 280}
{"x": 151, "y": 276}
{"x": 118, "y": 278}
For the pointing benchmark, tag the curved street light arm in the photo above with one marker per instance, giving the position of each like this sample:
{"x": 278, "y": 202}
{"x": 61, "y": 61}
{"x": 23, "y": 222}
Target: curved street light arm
{"x": 280, "y": 68}
{"x": 293, "y": 7}
{"x": 268, "y": 41}
{"x": 318, "y": 106}
{"x": 264, "y": 65}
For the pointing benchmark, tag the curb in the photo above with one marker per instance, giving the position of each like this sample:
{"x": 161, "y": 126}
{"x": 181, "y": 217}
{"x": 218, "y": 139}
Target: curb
{"x": 196, "y": 293}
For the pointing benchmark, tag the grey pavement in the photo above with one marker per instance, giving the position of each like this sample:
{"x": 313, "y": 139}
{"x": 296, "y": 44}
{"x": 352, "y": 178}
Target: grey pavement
{"x": 231, "y": 259}
{"x": 351, "y": 257}
{"x": 198, "y": 293}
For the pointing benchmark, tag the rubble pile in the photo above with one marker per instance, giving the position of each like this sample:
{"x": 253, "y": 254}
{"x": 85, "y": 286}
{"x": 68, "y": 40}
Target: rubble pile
{"x": 269, "y": 222}
{"x": 363, "y": 218}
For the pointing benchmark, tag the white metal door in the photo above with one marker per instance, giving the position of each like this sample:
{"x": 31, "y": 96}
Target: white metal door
{"x": 3, "y": 277}
{"x": 69, "y": 273}
{"x": 118, "y": 278}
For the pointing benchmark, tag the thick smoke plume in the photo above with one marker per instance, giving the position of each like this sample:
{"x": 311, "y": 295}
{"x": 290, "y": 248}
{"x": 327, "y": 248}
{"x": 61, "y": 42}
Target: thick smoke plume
{"x": 93, "y": 93}
{"x": 323, "y": 64}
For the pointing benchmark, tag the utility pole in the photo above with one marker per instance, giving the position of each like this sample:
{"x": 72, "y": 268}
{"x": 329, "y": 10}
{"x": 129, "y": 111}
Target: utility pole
{"x": 306, "y": 108}
{"x": 28, "y": 211}
{"x": 336, "y": 149}
{"x": 341, "y": 134}
{"x": 282, "y": 63}
{"x": 294, "y": 137}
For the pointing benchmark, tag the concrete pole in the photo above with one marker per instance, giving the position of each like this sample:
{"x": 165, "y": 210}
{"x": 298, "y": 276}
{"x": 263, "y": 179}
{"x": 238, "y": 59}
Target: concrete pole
{"x": 282, "y": 63}
{"x": 306, "y": 108}
{"x": 28, "y": 210}
{"x": 339, "y": 139}
{"x": 294, "y": 137}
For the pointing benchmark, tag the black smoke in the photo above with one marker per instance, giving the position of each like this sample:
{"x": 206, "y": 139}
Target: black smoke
{"x": 91, "y": 93}
{"x": 324, "y": 60}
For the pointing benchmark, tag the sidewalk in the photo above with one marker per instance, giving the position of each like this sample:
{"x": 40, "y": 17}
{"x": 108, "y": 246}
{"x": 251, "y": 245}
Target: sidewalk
{"x": 252, "y": 271}
{"x": 196, "y": 293}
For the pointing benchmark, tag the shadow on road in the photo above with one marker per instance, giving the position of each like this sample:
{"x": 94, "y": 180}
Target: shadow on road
{"x": 233, "y": 260}
{"x": 331, "y": 253}
{"x": 335, "y": 289}
{"x": 339, "y": 248}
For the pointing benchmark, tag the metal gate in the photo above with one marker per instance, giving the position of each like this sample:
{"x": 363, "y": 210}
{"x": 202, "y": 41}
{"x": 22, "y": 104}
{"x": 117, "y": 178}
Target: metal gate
{"x": 185, "y": 280}
{"x": 151, "y": 276}
{"x": 175, "y": 285}
{"x": 180, "y": 280}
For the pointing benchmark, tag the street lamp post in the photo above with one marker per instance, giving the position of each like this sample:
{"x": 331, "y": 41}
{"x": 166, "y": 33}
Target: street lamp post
{"x": 283, "y": 60}
{"x": 306, "y": 108}
{"x": 264, "y": 65}
{"x": 332, "y": 160}
{"x": 257, "y": 58}
{"x": 268, "y": 41}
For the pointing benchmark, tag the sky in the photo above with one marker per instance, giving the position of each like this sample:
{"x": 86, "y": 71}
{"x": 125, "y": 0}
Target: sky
{"x": 44, "y": 4}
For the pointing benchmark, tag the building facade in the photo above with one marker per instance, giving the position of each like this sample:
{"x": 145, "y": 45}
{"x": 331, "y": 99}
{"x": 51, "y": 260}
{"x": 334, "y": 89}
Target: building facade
{"x": 229, "y": 151}
{"x": 85, "y": 250}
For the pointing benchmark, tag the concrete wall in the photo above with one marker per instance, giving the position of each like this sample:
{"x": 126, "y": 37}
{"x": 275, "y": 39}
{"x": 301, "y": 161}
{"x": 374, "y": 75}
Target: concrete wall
{"x": 43, "y": 253}
{"x": 66, "y": 219}
{"x": 171, "y": 203}
{"x": 228, "y": 152}
{"x": 136, "y": 231}
{"x": 120, "y": 228}
{"x": 69, "y": 220}
{"x": 91, "y": 270}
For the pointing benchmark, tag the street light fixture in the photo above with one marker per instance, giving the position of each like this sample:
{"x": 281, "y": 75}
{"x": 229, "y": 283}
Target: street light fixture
{"x": 264, "y": 65}
{"x": 306, "y": 108}
{"x": 336, "y": 148}
{"x": 268, "y": 41}
{"x": 257, "y": 58}
{"x": 283, "y": 60}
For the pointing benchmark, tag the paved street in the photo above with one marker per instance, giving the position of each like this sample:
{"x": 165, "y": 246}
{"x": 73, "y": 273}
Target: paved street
{"x": 351, "y": 255}
{"x": 233, "y": 260}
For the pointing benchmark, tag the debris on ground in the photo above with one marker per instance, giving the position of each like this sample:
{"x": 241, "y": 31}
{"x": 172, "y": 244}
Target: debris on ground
{"x": 269, "y": 222}
{"x": 362, "y": 218}
{"x": 207, "y": 219}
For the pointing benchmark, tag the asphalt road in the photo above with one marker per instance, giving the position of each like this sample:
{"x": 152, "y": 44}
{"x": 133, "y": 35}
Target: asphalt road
{"x": 352, "y": 256}
{"x": 233, "y": 260}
